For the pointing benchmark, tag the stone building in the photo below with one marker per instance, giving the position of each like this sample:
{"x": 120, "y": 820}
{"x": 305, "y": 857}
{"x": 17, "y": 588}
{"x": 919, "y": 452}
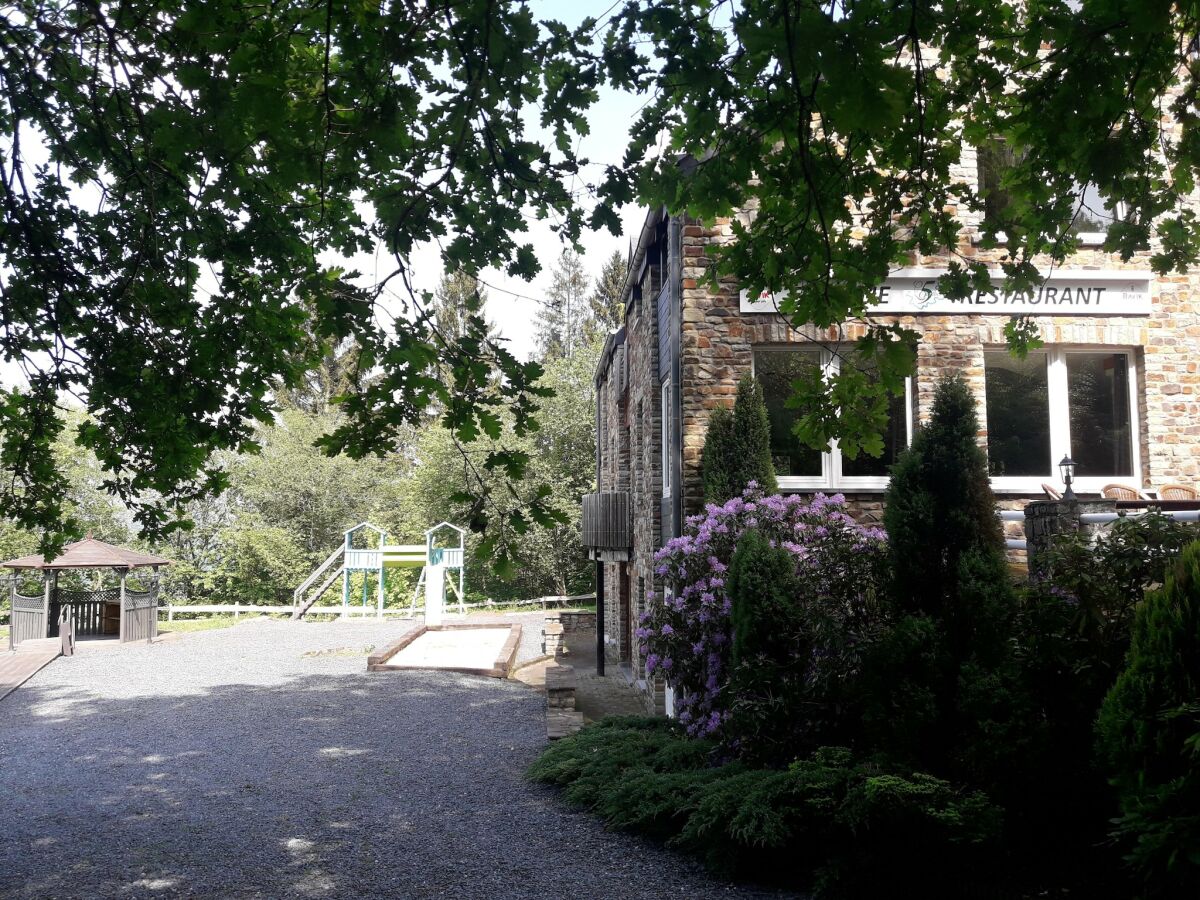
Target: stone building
{"x": 1116, "y": 387}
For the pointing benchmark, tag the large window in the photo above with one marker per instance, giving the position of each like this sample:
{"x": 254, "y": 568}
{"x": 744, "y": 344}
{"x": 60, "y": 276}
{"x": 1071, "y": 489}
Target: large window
{"x": 796, "y": 464}
{"x": 1056, "y": 403}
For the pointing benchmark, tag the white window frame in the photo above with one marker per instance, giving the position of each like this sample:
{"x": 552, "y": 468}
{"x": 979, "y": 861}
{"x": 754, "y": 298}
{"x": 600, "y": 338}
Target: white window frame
{"x": 1060, "y": 424}
{"x": 831, "y": 477}
{"x": 665, "y": 421}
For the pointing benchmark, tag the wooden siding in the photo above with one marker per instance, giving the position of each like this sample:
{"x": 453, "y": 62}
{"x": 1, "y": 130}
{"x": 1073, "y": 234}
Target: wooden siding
{"x": 606, "y": 521}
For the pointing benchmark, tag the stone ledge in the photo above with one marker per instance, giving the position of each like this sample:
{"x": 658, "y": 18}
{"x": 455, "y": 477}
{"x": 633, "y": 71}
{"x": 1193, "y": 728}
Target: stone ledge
{"x": 562, "y": 718}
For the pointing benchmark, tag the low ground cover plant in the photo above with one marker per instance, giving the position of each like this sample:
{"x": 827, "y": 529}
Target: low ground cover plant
{"x": 840, "y": 824}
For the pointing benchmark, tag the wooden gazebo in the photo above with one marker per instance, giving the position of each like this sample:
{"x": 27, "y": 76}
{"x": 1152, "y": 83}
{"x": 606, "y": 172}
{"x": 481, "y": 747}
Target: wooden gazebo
{"x": 130, "y": 615}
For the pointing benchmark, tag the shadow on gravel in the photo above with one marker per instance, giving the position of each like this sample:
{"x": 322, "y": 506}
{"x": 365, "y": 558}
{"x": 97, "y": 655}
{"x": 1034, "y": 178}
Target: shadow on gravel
{"x": 406, "y": 785}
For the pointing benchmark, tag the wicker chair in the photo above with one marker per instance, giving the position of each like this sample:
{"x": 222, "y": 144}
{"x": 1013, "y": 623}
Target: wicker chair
{"x": 1122, "y": 492}
{"x": 1051, "y": 492}
{"x": 1178, "y": 492}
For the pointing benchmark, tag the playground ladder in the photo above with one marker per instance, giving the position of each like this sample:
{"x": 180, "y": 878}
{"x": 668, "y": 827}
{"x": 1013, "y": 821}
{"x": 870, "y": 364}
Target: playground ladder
{"x": 301, "y": 604}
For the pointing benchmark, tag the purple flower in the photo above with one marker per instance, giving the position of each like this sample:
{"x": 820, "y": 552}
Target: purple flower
{"x": 667, "y": 630}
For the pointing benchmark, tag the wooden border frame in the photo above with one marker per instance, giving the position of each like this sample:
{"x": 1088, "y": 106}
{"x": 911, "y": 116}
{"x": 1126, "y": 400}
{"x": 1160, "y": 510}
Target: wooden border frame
{"x": 504, "y": 663}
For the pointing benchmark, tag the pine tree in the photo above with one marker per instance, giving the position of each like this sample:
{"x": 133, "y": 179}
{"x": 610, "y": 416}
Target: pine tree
{"x": 1149, "y": 734}
{"x": 737, "y": 447}
{"x": 941, "y": 513}
{"x": 562, "y": 323}
{"x": 458, "y": 296}
{"x": 607, "y": 308}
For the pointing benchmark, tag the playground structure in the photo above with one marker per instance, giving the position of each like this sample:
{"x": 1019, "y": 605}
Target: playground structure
{"x": 436, "y": 562}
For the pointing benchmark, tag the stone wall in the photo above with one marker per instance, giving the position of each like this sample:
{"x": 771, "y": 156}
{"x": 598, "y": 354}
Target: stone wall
{"x": 718, "y": 343}
{"x": 1044, "y": 519}
{"x": 631, "y": 461}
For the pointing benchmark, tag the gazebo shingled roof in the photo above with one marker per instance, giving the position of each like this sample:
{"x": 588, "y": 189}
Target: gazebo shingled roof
{"x": 88, "y": 554}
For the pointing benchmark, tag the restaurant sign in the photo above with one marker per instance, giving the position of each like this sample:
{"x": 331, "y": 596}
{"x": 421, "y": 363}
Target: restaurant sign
{"x": 1108, "y": 292}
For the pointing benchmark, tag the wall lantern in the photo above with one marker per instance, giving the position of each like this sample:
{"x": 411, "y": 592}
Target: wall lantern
{"x": 1067, "y": 468}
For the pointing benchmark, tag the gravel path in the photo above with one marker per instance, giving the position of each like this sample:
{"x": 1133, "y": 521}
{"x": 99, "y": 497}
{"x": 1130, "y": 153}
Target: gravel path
{"x": 254, "y": 762}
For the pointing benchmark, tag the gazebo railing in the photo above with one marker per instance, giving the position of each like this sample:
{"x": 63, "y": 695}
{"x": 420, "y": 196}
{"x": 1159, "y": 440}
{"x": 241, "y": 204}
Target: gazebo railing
{"x": 28, "y": 619}
{"x": 88, "y": 610}
{"x": 141, "y": 615}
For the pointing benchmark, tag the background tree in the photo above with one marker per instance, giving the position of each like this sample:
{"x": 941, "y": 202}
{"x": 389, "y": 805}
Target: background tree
{"x": 210, "y": 165}
{"x": 563, "y": 320}
{"x": 606, "y": 303}
{"x": 534, "y": 558}
{"x": 459, "y": 296}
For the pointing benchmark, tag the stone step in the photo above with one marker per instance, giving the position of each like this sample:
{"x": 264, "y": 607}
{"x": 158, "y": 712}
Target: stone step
{"x": 561, "y": 685}
{"x": 562, "y": 722}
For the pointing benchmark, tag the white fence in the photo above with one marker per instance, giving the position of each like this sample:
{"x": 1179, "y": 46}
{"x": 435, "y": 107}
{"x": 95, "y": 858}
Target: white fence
{"x": 239, "y": 609}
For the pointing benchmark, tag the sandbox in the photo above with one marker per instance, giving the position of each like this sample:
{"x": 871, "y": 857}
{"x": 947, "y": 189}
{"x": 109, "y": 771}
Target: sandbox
{"x": 470, "y": 649}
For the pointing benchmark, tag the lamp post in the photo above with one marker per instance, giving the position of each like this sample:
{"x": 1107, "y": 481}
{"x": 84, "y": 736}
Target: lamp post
{"x": 1067, "y": 468}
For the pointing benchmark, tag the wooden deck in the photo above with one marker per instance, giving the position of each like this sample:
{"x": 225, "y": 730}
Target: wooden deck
{"x": 18, "y": 666}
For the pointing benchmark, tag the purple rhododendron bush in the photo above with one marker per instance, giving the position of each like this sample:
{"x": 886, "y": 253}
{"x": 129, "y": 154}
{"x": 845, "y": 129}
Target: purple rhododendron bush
{"x": 688, "y": 634}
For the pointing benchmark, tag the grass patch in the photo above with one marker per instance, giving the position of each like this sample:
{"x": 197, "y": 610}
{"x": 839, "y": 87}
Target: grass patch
{"x": 523, "y": 607}
{"x": 207, "y": 623}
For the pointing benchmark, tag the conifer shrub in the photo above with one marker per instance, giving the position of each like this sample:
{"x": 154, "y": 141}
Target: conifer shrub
{"x": 940, "y": 517}
{"x": 942, "y": 684}
{"x": 1149, "y": 735}
{"x": 737, "y": 447}
{"x": 713, "y": 461}
{"x": 801, "y": 621}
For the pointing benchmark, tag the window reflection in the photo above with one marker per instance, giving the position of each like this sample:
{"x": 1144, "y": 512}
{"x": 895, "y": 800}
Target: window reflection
{"x": 1098, "y": 398}
{"x": 776, "y": 371}
{"x": 1018, "y": 414}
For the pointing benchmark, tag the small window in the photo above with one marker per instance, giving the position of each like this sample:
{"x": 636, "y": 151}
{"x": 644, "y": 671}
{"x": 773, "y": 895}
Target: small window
{"x": 993, "y": 160}
{"x": 796, "y": 464}
{"x": 666, "y": 438}
{"x": 1095, "y": 214}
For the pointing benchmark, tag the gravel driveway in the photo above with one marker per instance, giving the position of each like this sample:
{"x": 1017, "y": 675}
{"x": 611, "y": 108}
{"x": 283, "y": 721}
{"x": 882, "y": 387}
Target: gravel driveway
{"x": 254, "y": 762}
